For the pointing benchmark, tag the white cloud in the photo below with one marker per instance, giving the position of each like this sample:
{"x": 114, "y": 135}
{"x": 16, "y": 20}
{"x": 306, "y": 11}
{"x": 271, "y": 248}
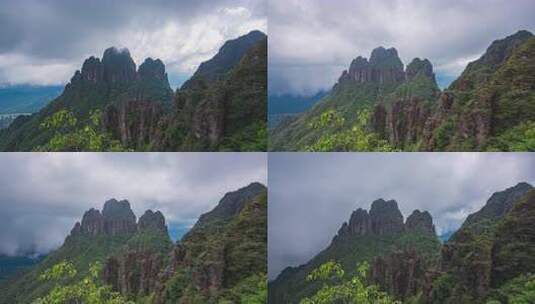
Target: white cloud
{"x": 331, "y": 33}
{"x": 64, "y": 33}
{"x": 312, "y": 194}
{"x": 43, "y": 194}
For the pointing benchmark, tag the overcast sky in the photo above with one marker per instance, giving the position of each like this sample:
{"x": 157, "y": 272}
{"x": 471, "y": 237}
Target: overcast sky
{"x": 312, "y": 41}
{"x": 44, "y": 42}
{"x": 43, "y": 195}
{"x": 312, "y": 194}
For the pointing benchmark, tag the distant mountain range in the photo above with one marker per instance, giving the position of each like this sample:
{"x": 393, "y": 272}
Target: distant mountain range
{"x": 220, "y": 260}
{"x": 287, "y": 105}
{"x": 26, "y": 98}
{"x": 222, "y": 107}
{"x": 380, "y": 105}
{"x": 489, "y": 258}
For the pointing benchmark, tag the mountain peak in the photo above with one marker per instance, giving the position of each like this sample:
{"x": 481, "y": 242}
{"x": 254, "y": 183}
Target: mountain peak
{"x": 384, "y": 66}
{"x": 152, "y": 220}
{"x": 116, "y": 218}
{"x": 500, "y": 203}
{"x": 386, "y": 217}
{"x": 118, "y": 65}
{"x": 420, "y": 221}
{"x": 228, "y": 56}
{"x": 230, "y": 205}
{"x": 151, "y": 68}
{"x": 386, "y": 58}
{"x": 418, "y": 66}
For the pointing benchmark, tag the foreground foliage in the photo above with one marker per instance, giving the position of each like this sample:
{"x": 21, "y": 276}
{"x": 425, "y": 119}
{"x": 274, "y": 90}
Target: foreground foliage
{"x": 338, "y": 288}
{"x": 70, "y": 136}
{"x": 86, "y": 290}
{"x": 337, "y": 135}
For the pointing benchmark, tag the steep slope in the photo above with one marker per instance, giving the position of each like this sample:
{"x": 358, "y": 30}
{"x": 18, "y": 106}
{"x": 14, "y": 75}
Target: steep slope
{"x": 100, "y": 84}
{"x": 98, "y": 236}
{"x": 374, "y": 237}
{"x": 380, "y": 81}
{"x": 488, "y": 249}
{"x": 224, "y": 256}
{"x": 489, "y": 107}
{"x": 227, "y": 111}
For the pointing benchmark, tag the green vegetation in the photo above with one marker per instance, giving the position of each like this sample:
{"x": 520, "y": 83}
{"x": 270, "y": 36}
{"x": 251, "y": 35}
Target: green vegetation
{"x": 335, "y": 136}
{"x": 490, "y": 107}
{"x": 238, "y": 247}
{"x": 69, "y": 136}
{"x": 85, "y": 290}
{"x": 338, "y": 288}
{"x": 520, "y": 290}
{"x": 292, "y": 286}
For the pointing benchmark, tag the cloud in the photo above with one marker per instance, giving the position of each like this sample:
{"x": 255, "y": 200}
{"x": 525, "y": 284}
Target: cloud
{"x": 312, "y": 194}
{"x": 329, "y": 34}
{"x": 182, "y": 33}
{"x": 44, "y": 194}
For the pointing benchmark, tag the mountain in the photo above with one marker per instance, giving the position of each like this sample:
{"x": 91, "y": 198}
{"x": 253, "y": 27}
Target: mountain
{"x": 26, "y": 98}
{"x": 489, "y": 107}
{"x": 375, "y": 236}
{"x": 490, "y": 258}
{"x": 224, "y": 110}
{"x": 223, "y": 257}
{"x": 222, "y": 107}
{"x": 492, "y": 248}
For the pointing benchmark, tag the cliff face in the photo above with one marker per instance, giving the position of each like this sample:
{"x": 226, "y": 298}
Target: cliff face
{"x": 401, "y": 273}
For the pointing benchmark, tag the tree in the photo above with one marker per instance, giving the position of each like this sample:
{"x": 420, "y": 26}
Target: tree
{"x": 69, "y": 135}
{"x": 338, "y": 288}
{"x": 87, "y": 290}
{"x": 336, "y": 135}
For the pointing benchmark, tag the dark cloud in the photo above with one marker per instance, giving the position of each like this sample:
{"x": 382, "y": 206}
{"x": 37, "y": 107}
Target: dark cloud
{"x": 41, "y": 34}
{"x": 312, "y": 194}
{"x": 44, "y": 194}
{"x": 329, "y": 34}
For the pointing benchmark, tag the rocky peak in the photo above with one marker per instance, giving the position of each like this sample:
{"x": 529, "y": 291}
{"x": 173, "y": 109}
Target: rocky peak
{"x": 152, "y": 69}
{"x": 92, "y": 70}
{"x": 384, "y": 66}
{"x": 418, "y": 66}
{"x": 229, "y": 206}
{"x": 228, "y": 56}
{"x": 420, "y": 221}
{"x": 386, "y": 217}
{"x": 359, "y": 224}
{"x": 483, "y": 68}
{"x": 118, "y": 217}
{"x": 152, "y": 220}
{"x": 499, "y": 204}
{"x": 386, "y": 58}
{"x": 92, "y": 223}
{"x": 118, "y": 66}
{"x": 501, "y": 49}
